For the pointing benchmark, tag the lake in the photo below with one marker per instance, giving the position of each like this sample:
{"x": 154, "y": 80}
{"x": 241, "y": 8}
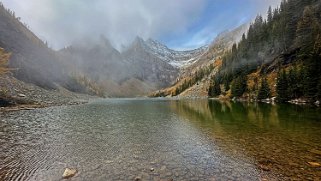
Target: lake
{"x": 162, "y": 139}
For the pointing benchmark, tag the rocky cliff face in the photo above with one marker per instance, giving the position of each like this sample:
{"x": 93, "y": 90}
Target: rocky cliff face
{"x": 149, "y": 65}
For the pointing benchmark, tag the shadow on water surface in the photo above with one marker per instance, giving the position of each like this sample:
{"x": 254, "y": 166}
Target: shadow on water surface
{"x": 280, "y": 138}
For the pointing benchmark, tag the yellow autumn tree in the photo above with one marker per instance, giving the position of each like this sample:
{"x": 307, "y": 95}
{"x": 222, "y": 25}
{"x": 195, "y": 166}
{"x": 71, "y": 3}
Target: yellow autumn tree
{"x": 4, "y": 58}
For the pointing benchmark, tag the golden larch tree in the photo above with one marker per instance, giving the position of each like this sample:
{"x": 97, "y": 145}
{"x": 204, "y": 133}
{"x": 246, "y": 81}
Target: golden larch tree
{"x": 4, "y": 58}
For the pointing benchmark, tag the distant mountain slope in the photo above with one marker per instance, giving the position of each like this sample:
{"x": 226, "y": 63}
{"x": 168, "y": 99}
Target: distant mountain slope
{"x": 148, "y": 65}
{"x": 142, "y": 67}
{"x": 101, "y": 62}
{"x": 179, "y": 59}
{"x": 221, "y": 44}
{"x": 97, "y": 60}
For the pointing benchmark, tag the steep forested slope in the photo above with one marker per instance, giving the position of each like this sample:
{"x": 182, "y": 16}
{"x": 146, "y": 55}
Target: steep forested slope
{"x": 282, "y": 52}
{"x": 33, "y": 60}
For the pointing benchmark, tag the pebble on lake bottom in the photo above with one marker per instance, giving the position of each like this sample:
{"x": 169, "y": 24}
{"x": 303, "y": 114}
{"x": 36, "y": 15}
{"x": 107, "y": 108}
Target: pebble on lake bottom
{"x": 69, "y": 172}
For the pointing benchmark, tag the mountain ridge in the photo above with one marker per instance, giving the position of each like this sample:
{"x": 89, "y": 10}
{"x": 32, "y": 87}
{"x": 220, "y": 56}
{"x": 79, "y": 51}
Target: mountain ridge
{"x": 149, "y": 62}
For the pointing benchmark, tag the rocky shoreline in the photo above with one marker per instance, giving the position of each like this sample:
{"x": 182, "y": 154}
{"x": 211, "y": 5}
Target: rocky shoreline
{"x": 16, "y": 95}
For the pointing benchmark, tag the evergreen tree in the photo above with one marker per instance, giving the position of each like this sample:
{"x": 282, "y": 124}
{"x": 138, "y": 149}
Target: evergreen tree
{"x": 282, "y": 87}
{"x": 312, "y": 71}
{"x": 319, "y": 91}
{"x": 307, "y": 31}
{"x": 239, "y": 86}
{"x": 270, "y": 15}
{"x": 295, "y": 84}
{"x": 214, "y": 90}
{"x": 210, "y": 91}
{"x": 311, "y": 77}
{"x": 264, "y": 91}
{"x": 217, "y": 89}
{"x": 226, "y": 85}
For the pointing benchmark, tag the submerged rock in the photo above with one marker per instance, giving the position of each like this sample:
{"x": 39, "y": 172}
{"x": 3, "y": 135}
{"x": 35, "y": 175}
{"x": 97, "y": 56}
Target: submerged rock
{"x": 314, "y": 164}
{"x": 69, "y": 172}
{"x": 264, "y": 167}
{"x": 21, "y": 95}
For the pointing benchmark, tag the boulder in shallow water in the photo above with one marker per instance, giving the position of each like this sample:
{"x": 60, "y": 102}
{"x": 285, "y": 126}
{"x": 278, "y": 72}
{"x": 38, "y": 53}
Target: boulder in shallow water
{"x": 69, "y": 172}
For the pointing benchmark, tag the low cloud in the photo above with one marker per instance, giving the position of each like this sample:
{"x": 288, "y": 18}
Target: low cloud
{"x": 60, "y": 22}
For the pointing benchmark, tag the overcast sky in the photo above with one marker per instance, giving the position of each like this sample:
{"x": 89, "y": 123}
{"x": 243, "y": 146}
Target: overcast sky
{"x": 180, "y": 24}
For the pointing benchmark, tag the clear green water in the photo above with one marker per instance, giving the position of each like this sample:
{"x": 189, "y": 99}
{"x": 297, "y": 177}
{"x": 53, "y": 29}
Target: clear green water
{"x": 121, "y": 139}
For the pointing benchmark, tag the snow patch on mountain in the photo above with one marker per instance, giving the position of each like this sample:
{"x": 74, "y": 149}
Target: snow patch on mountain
{"x": 178, "y": 59}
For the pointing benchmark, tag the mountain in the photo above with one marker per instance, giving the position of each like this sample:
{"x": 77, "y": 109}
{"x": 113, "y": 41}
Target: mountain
{"x": 179, "y": 59}
{"x": 95, "y": 59}
{"x": 92, "y": 67}
{"x": 142, "y": 67}
{"x": 148, "y": 65}
{"x": 221, "y": 44}
{"x": 277, "y": 58}
{"x": 194, "y": 78}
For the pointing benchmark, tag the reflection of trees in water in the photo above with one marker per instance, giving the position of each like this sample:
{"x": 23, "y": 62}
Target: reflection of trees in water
{"x": 263, "y": 115}
{"x": 273, "y": 134}
{"x": 299, "y": 123}
{"x": 241, "y": 113}
{"x": 192, "y": 109}
{"x": 249, "y": 115}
